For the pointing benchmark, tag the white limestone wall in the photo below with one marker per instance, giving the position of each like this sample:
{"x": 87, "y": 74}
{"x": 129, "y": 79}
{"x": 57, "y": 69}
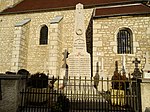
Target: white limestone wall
{"x": 104, "y": 39}
{"x": 55, "y": 50}
{"x": 38, "y": 55}
{"x": 105, "y": 42}
{"x": 8, "y": 3}
{"x": 145, "y": 97}
{"x": 20, "y": 48}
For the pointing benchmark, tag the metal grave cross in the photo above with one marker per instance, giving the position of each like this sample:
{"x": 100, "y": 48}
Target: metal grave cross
{"x": 136, "y": 62}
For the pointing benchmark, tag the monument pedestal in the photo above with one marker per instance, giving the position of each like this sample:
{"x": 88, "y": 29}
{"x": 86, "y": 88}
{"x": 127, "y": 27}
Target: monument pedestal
{"x": 79, "y": 65}
{"x": 81, "y": 88}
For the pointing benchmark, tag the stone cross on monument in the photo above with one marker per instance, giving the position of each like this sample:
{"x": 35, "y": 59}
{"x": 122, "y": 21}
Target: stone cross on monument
{"x": 79, "y": 60}
{"x": 79, "y": 42}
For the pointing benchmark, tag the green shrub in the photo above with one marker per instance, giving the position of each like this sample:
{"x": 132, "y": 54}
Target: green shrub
{"x": 39, "y": 80}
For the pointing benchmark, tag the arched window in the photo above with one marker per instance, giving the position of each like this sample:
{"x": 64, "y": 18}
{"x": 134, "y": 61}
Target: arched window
{"x": 124, "y": 41}
{"x": 44, "y": 35}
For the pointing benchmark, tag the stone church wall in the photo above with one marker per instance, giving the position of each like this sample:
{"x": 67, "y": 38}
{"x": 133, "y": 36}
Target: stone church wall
{"x": 6, "y": 42}
{"x": 38, "y": 55}
{"x": 8, "y": 3}
{"x": 105, "y": 41}
{"x": 20, "y": 46}
{"x": 4, "y": 4}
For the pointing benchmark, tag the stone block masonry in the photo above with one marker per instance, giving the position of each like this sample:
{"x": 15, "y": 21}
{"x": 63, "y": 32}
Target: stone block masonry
{"x": 11, "y": 95}
{"x": 38, "y": 55}
{"x": 105, "y": 41}
{"x": 20, "y": 46}
{"x": 8, "y": 3}
{"x": 55, "y": 48}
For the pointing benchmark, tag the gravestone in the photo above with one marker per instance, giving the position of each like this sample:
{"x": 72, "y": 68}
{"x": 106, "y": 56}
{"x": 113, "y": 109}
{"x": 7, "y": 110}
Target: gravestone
{"x": 146, "y": 69}
{"x": 79, "y": 60}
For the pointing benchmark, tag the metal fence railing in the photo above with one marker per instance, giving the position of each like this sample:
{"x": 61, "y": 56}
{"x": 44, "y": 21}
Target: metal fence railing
{"x": 79, "y": 94}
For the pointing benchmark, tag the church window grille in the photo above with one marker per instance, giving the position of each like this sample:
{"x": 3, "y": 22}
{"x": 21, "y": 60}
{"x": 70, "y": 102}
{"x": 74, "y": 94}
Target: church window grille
{"x": 44, "y": 35}
{"x": 124, "y": 41}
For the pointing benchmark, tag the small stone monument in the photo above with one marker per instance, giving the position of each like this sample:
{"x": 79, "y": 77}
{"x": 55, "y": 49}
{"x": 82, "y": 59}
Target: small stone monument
{"x": 146, "y": 69}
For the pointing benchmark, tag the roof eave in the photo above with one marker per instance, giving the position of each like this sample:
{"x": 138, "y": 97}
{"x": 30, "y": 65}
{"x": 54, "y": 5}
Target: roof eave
{"x": 37, "y": 10}
{"x": 117, "y": 15}
{"x": 65, "y": 8}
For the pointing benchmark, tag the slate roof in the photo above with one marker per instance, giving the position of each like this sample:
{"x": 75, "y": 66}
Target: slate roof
{"x": 39, "y": 5}
{"x": 130, "y": 9}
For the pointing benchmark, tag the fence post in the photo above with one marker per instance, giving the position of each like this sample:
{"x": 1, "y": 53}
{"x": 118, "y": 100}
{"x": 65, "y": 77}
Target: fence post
{"x": 145, "y": 96}
{"x": 0, "y": 91}
{"x": 139, "y": 95}
{"x": 10, "y": 88}
{"x": 21, "y": 85}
